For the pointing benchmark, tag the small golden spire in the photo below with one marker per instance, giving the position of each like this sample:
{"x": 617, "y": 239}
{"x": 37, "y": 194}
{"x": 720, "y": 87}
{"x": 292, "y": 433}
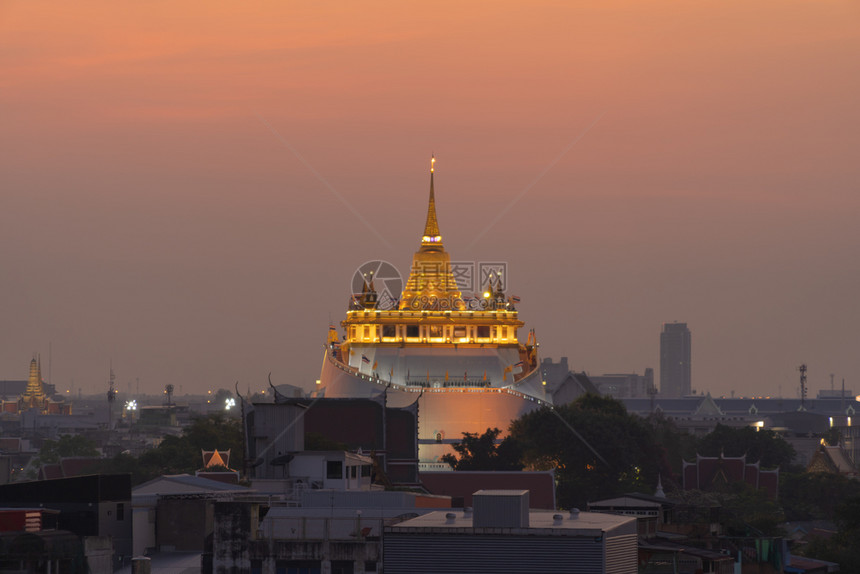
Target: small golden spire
{"x": 431, "y": 229}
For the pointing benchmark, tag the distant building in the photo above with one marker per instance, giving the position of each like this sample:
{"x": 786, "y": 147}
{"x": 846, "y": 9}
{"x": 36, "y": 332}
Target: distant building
{"x": 675, "y": 380}
{"x": 562, "y": 384}
{"x": 626, "y": 385}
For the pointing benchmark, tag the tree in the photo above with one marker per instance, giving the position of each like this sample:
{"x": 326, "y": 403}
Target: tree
{"x": 842, "y": 548}
{"x": 481, "y": 452}
{"x": 675, "y": 445}
{"x": 65, "y": 446}
{"x": 53, "y": 450}
{"x": 815, "y": 495}
{"x": 183, "y": 454}
{"x": 597, "y": 449}
{"x": 759, "y": 445}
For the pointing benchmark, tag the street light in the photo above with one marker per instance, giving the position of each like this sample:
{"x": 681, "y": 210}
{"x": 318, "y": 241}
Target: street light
{"x": 229, "y": 403}
{"x": 130, "y": 407}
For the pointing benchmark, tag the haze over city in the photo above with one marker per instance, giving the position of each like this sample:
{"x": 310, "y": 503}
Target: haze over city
{"x": 188, "y": 189}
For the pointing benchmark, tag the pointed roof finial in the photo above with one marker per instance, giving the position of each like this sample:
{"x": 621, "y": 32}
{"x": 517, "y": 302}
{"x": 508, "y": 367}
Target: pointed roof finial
{"x": 431, "y": 229}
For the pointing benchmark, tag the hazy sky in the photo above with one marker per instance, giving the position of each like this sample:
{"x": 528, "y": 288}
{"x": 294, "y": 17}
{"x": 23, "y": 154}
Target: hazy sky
{"x": 188, "y": 187}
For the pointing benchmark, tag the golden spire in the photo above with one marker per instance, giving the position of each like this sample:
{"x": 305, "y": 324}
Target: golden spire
{"x": 431, "y": 282}
{"x": 34, "y": 388}
{"x": 431, "y": 229}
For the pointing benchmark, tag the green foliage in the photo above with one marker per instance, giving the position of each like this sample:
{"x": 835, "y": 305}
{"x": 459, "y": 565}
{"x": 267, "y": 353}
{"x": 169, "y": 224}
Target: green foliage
{"x": 815, "y": 495}
{"x": 183, "y": 454}
{"x": 743, "y": 510}
{"x": 480, "y": 452}
{"x": 759, "y": 445}
{"x": 67, "y": 445}
{"x": 675, "y": 445}
{"x": 597, "y": 449}
{"x": 843, "y": 547}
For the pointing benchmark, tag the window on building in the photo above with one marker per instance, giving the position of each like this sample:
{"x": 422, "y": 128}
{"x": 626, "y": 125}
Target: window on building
{"x": 459, "y": 331}
{"x": 365, "y": 471}
{"x": 411, "y": 330}
{"x": 334, "y": 469}
{"x": 389, "y": 330}
{"x": 120, "y": 511}
{"x": 435, "y": 330}
{"x": 353, "y": 472}
{"x": 484, "y": 332}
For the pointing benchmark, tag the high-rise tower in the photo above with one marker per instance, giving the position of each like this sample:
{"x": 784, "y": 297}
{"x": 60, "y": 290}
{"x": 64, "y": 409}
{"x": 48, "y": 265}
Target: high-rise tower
{"x": 675, "y": 364}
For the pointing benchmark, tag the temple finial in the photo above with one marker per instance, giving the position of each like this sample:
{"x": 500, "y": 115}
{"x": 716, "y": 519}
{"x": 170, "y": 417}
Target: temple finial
{"x": 431, "y": 229}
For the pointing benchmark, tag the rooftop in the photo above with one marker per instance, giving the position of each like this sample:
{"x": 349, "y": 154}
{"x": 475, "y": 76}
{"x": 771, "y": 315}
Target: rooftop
{"x": 545, "y": 522}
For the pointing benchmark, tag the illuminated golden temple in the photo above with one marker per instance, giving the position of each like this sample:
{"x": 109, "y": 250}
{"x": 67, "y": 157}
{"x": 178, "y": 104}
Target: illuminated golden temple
{"x": 35, "y": 397}
{"x": 459, "y": 357}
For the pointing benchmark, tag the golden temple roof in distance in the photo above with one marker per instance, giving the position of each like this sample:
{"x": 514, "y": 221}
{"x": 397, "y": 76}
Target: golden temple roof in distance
{"x": 431, "y": 283}
{"x": 34, "y": 381}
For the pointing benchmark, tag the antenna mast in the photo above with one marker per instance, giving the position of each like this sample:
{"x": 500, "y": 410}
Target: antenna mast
{"x": 802, "y": 370}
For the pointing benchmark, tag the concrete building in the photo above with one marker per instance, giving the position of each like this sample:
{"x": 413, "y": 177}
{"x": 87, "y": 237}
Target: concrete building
{"x": 675, "y": 379}
{"x": 175, "y": 512}
{"x": 96, "y": 507}
{"x": 625, "y": 385}
{"x": 323, "y": 531}
{"x": 503, "y": 535}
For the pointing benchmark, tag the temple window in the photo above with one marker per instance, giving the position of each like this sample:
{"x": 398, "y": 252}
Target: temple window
{"x": 411, "y": 330}
{"x": 389, "y": 331}
{"x": 483, "y": 332}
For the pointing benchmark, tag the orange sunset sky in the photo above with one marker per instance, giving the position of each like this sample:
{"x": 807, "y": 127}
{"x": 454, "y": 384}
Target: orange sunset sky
{"x": 188, "y": 187}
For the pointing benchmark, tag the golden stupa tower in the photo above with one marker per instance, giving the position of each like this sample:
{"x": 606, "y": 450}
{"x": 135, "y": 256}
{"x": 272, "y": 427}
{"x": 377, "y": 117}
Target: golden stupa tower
{"x": 455, "y": 357}
{"x": 34, "y": 394}
{"x": 431, "y": 282}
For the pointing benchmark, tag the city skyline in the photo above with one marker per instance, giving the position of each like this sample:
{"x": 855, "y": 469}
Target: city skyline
{"x": 188, "y": 191}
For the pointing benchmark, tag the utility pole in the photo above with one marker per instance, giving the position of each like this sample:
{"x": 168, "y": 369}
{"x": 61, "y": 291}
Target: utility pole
{"x": 111, "y": 397}
{"x": 802, "y": 370}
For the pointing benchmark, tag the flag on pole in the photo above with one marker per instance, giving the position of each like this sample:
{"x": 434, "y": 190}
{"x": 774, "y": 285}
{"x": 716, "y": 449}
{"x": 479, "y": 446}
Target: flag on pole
{"x": 364, "y": 359}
